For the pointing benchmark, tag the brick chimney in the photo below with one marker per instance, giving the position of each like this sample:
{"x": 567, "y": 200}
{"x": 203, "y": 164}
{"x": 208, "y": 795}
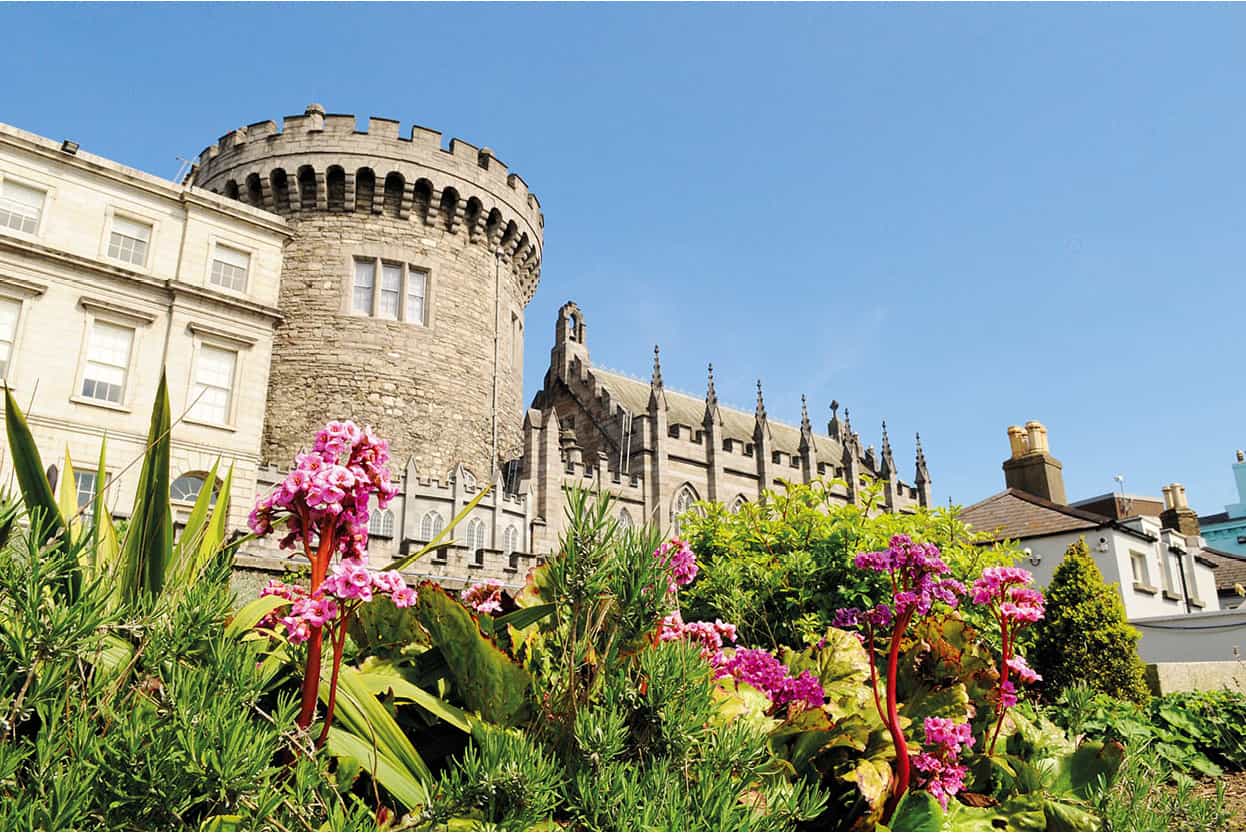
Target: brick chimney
{"x": 1177, "y": 514}
{"x": 1031, "y": 468}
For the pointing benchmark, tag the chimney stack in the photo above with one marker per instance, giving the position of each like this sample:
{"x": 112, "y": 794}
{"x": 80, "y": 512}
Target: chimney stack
{"x": 1177, "y": 514}
{"x": 1031, "y": 468}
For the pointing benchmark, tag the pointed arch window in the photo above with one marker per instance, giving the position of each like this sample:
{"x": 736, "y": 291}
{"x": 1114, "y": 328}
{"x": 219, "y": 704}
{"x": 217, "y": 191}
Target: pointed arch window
{"x": 625, "y": 519}
{"x": 430, "y": 525}
{"x": 475, "y": 537}
{"x": 738, "y": 503}
{"x": 510, "y": 540}
{"x": 685, "y": 498}
{"x": 381, "y": 524}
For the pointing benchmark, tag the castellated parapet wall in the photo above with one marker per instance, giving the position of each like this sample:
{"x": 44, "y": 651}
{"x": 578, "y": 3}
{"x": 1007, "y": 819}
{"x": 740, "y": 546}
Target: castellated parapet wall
{"x": 456, "y": 214}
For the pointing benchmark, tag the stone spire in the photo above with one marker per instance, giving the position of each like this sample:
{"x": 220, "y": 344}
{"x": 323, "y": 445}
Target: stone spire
{"x": 923, "y": 474}
{"x": 657, "y": 391}
{"x": 888, "y": 466}
{"x": 760, "y": 411}
{"x": 711, "y": 400}
{"x": 806, "y": 427}
{"x": 832, "y": 428}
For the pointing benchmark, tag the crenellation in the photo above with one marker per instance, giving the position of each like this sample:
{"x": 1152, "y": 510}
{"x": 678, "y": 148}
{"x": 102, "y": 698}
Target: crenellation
{"x": 381, "y": 128}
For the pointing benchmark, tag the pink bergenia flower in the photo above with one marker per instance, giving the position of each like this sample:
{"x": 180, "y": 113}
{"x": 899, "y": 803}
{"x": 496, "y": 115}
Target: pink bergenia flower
{"x": 1022, "y": 669}
{"x": 483, "y": 597}
{"x": 763, "y": 671}
{"x": 678, "y": 557}
{"x": 939, "y": 770}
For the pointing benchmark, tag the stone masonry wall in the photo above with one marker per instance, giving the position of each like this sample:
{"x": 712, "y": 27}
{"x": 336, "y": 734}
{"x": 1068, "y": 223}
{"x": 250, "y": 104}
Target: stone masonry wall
{"x": 427, "y": 389}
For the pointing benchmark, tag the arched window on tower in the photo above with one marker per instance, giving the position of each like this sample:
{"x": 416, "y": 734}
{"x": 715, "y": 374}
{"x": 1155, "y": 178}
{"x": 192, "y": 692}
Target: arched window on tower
{"x": 685, "y": 498}
{"x": 254, "y": 195}
{"x": 231, "y": 189}
{"x": 395, "y": 184}
{"x": 307, "y": 188}
{"x": 381, "y": 524}
{"x": 280, "y": 183}
{"x": 430, "y": 525}
{"x": 365, "y": 189}
{"x": 335, "y": 187}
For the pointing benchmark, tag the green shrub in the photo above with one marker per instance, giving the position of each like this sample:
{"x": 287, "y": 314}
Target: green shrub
{"x": 1084, "y": 638}
{"x": 783, "y": 565}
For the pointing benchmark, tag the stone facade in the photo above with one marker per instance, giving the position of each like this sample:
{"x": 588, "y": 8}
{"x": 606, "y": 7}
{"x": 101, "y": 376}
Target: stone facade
{"x": 64, "y": 278}
{"x": 447, "y": 387}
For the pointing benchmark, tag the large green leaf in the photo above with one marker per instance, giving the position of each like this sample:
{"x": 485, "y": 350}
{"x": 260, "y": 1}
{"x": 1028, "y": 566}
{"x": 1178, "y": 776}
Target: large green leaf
{"x": 917, "y": 811}
{"x": 841, "y": 665}
{"x": 521, "y": 618}
{"x": 360, "y": 713}
{"x": 41, "y": 503}
{"x": 250, "y": 614}
{"x": 1079, "y": 771}
{"x": 149, "y": 539}
{"x": 405, "y": 786}
{"x": 403, "y": 689}
{"x": 1021, "y": 813}
{"x": 487, "y": 680}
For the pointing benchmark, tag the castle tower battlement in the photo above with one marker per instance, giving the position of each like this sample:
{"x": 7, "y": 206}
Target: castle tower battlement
{"x": 404, "y": 284}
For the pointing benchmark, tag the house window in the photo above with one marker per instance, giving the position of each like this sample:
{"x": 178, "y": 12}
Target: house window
{"x": 108, "y": 362}
{"x": 398, "y": 295}
{"x": 187, "y": 487}
{"x": 391, "y": 291}
{"x": 128, "y": 240}
{"x": 214, "y": 383}
{"x": 85, "y": 483}
{"x": 20, "y": 206}
{"x": 381, "y": 524}
{"x": 430, "y": 526}
{"x": 1142, "y": 575}
{"x": 229, "y": 268}
{"x": 417, "y": 285}
{"x": 9, "y": 310}
{"x": 1172, "y": 575}
{"x": 510, "y": 540}
{"x": 365, "y": 278}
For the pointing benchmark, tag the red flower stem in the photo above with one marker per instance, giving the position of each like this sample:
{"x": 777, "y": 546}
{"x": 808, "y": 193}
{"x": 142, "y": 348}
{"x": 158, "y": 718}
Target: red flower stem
{"x": 1006, "y": 641}
{"x": 878, "y": 704}
{"x": 339, "y": 642}
{"x": 311, "y": 677}
{"x": 901, "y": 784}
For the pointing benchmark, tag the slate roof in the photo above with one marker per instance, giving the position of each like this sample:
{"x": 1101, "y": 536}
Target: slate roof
{"x": 1230, "y": 568}
{"x": 1214, "y": 518}
{"x": 1015, "y": 514}
{"x": 688, "y": 410}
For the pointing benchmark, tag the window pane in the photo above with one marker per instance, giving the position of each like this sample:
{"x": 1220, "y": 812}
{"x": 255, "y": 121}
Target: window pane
{"x": 417, "y": 281}
{"x": 85, "y": 483}
{"x": 20, "y": 206}
{"x": 365, "y": 278}
{"x": 232, "y": 256}
{"x": 108, "y": 359}
{"x": 131, "y": 228}
{"x": 214, "y": 382}
{"x": 8, "y": 330}
{"x": 391, "y": 291}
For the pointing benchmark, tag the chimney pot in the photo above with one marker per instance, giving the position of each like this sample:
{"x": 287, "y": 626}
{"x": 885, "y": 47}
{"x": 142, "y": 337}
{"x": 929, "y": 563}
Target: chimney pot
{"x": 1031, "y": 468}
{"x": 1017, "y": 441}
{"x": 1168, "y": 505}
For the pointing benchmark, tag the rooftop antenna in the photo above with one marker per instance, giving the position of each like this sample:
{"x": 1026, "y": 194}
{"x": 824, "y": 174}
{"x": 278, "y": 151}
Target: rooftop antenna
{"x": 1126, "y": 503}
{"x": 183, "y": 168}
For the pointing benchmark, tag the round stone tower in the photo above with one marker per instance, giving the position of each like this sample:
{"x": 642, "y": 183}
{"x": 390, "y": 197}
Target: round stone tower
{"x": 403, "y": 287}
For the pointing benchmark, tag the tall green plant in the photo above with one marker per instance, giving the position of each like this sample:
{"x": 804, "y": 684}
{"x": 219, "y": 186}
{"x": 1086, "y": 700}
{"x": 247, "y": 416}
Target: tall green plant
{"x": 1085, "y": 638}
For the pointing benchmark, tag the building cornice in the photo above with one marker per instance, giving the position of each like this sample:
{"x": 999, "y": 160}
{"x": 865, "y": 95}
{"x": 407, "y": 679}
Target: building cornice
{"x": 49, "y": 150}
{"x": 171, "y": 287}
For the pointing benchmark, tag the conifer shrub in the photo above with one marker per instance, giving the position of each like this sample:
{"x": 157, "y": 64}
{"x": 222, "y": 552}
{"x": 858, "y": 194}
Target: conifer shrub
{"x": 1085, "y": 639}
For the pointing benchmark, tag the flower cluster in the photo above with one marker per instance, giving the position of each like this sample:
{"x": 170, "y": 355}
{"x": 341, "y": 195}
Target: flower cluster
{"x": 327, "y": 491}
{"x": 762, "y": 670}
{"x": 877, "y": 617}
{"x": 1003, "y": 587}
{"x": 679, "y": 559}
{"x": 939, "y": 766}
{"x": 710, "y": 636}
{"x": 916, "y": 570}
{"x": 483, "y": 597}
{"x": 350, "y": 583}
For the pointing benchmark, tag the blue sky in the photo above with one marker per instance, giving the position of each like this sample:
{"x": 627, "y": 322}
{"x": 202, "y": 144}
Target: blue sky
{"x": 951, "y": 217}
